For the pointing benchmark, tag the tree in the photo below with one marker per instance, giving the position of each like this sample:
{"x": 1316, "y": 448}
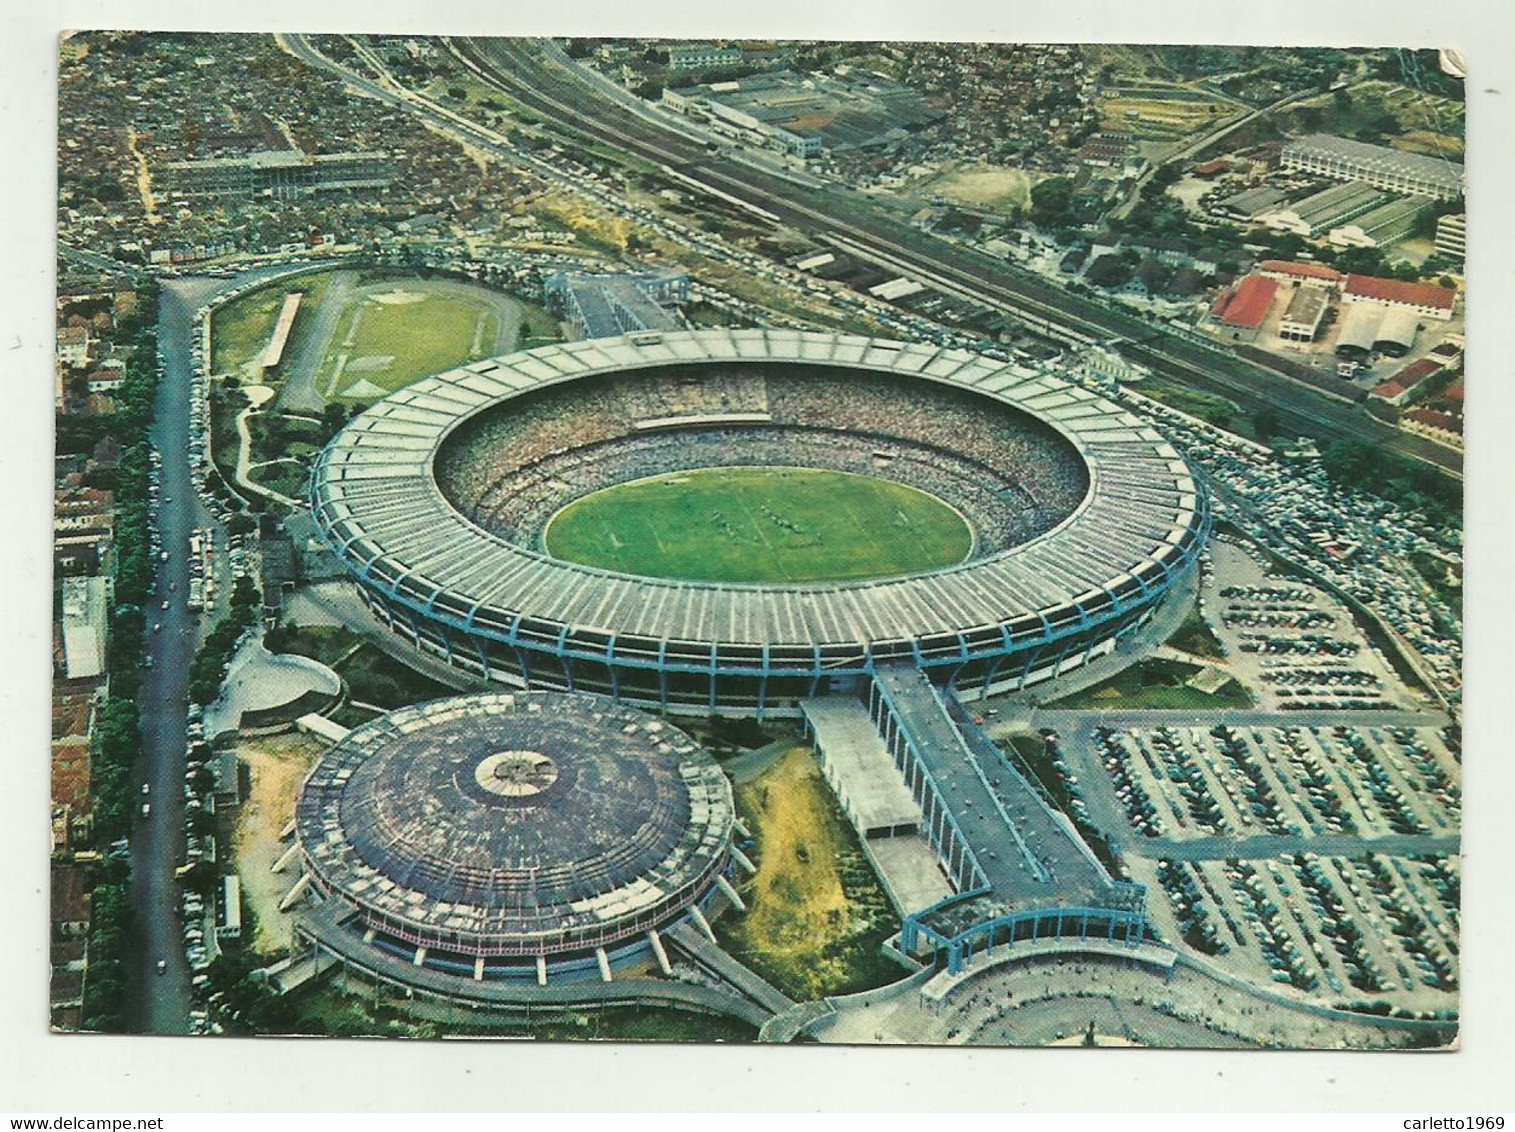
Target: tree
{"x": 1265, "y": 424}
{"x": 1050, "y": 200}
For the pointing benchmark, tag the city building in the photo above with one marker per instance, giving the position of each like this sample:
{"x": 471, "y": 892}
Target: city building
{"x": 1310, "y": 274}
{"x": 686, "y": 57}
{"x": 1452, "y": 236}
{"x": 1302, "y": 318}
{"x": 278, "y": 174}
{"x": 1429, "y": 299}
{"x": 1407, "y": 383}
{"x": 73, "y": 346}
{"x": 1380, "y": 166}
{"x": 805, "y": 115}
{"x": 85, "y": 615}
{"x": 1385, "y": 225}
{"x": 1319, "y": 212}
{"x": 1443, "y": 428}
{"x": 1252, "y": 203}
{"x": 1239, "y": 312}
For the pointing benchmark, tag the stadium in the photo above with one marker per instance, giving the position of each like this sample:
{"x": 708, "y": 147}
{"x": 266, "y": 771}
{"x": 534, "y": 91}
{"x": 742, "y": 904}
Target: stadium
{"x": 986, "y": 524}
{"x": 502, "y": 836}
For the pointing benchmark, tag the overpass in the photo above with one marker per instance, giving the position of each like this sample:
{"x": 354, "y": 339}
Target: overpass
{"x": 1020, "y": 870}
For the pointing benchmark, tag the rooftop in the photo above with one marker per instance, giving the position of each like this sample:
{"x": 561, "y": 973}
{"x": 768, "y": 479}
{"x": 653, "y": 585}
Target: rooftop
{"x": 525, "y": 816}
{"x": 1248, "y": 304}
{"x": 1398, "y": 291}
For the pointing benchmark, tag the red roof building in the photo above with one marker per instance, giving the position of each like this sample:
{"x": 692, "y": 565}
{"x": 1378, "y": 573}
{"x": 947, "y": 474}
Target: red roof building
{"x": 1289, "y": 271}
{"x": 1428, "y": 298}
{"x": 1245, "y": 307}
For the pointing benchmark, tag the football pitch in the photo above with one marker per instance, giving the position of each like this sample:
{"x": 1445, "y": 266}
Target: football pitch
{"x": 760, "y": 526}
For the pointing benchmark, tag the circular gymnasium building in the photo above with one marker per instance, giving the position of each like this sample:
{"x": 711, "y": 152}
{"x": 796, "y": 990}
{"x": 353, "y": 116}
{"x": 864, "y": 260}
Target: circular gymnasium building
{"x": 509, "y": 835}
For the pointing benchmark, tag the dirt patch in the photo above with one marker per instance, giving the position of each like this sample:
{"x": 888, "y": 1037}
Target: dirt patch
{"x": 276, "y": 765}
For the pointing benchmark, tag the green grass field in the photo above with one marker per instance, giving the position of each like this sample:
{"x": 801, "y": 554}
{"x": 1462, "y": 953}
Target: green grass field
{"x": 382, "y": 346}
{"x": 760, "y": 525}
{"x": 1154, "y": 684}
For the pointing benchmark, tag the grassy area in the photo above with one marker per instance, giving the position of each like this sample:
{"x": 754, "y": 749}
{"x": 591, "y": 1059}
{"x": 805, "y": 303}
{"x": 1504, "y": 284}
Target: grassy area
{"x": 816, "y": 913}
{"x": 389, "y": 340}
{"x": 1196, "y": 637}
{"x": 1218, "y": 411}
{"x": 239, "y": 331}
{"x": 1156, "y": 684}
{"x": 754, "y": 525}
{"x": 327, "y": 1009}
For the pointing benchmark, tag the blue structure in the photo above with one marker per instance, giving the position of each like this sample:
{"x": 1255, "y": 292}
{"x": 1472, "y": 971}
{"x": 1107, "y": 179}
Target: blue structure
{"x": 1021, "y": 870}
{"x": 603, "y": 306}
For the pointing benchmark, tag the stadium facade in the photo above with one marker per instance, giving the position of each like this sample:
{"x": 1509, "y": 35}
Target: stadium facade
{"x": 453, "y": 564}
{"x": 510, "y": 836}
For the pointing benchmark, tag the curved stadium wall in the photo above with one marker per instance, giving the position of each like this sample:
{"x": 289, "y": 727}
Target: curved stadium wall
{"x": 462, "y": 583}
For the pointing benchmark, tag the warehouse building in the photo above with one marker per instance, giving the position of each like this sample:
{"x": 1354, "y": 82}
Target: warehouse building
{"x": 1322, "y": 211}
{"x": 1359, "y": 330}
{"x": 1387, "y": 224}
{"x": 1377, "y": 165}
{"x": 1396, "y": 333}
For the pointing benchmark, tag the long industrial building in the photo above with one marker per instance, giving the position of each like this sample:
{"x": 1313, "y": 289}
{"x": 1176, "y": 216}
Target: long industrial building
{"x": 434, "y": 500}
{"x": 279, "y": 174}
{"x": 1380, "y": 166}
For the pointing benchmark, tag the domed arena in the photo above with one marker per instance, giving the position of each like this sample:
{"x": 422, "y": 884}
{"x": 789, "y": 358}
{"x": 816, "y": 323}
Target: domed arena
{"x": 481, "y": 834}
{"x": 733, "y": 521}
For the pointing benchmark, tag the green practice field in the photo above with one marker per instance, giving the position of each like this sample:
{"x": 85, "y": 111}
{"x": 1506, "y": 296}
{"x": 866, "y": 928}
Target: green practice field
{"x": 760, "y": 526}
{"x": 391, "y": 338}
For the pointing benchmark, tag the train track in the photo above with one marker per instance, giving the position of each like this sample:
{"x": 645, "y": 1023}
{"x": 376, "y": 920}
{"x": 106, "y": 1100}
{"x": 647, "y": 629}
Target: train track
{"x": 524, "y": 70}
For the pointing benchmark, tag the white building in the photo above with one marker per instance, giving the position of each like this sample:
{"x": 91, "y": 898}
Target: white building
{"x": 84, "y": 622}
{"x": 1377, "y": 165}
{"x": 1452, "y": 236}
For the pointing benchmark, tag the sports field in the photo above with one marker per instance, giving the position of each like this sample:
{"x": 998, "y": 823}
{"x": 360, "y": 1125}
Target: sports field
{"x": 392, "y": 336}
{"x": 760, "y": 526}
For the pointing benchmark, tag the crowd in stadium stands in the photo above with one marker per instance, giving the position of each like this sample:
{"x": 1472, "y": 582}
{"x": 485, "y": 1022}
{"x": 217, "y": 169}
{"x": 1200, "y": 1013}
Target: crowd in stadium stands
{"x": 1010, "y": 476}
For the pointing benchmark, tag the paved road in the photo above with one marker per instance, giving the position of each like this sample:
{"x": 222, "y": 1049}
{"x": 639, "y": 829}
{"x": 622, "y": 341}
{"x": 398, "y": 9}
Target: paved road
{"x": 160, "y": 1003}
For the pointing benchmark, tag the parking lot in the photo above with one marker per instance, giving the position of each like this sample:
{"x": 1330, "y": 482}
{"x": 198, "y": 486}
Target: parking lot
{"x": 1293, "y": 643}
{"x": 1175, "y": 782}
{"x": 1351, "y": 931}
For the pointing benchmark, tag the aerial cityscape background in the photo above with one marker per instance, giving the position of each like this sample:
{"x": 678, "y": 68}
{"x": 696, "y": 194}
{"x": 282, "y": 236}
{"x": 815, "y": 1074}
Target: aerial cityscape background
{"x": 758, "y": 541}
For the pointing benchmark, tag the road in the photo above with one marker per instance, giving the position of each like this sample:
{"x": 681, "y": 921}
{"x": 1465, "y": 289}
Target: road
{"x": 561, "y": 94}
{"x": 160, "y": 1003}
